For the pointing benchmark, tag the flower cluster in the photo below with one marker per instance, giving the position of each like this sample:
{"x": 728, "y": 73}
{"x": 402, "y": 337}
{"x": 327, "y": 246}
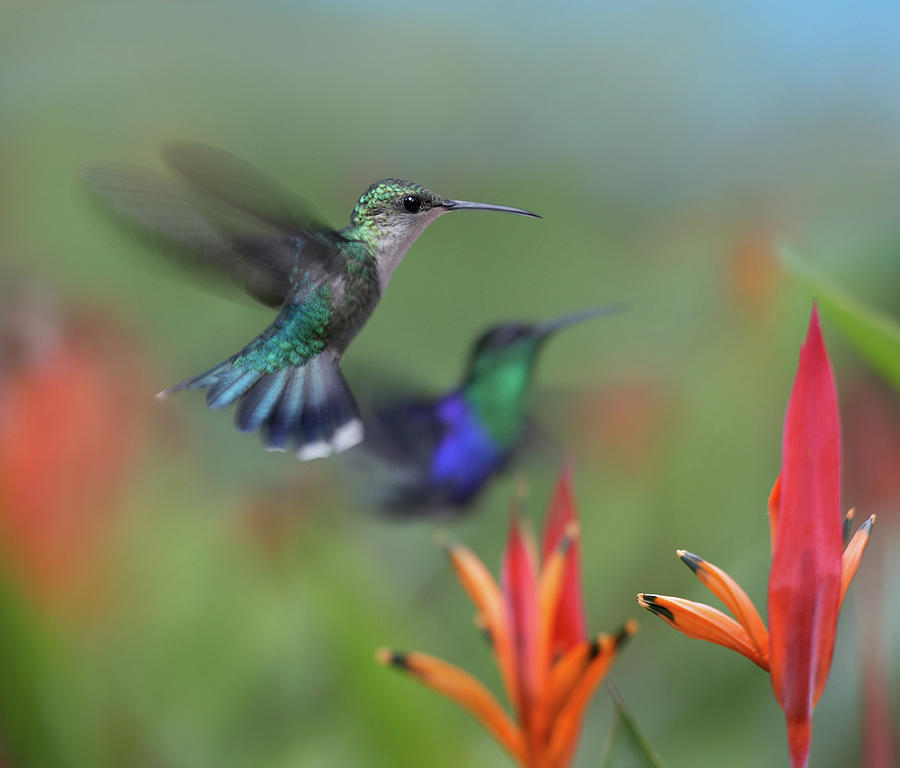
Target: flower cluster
{"x": 535, "y": 617}
{"x": 810, "y": 570}
{"x": 536, "y": 623}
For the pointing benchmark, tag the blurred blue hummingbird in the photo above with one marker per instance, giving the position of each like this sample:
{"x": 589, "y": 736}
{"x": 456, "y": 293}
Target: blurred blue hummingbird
{"x": 230, "y": 218}
{"x": 437, "y": 454}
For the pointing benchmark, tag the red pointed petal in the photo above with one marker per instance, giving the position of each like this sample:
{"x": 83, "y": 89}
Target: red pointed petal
{"x": 570, "y": 626}
{"x": 799, "y": 733}
{"x": 519, "y": 582}
{"x": 805, "y": 579}
{"x": 774, "y": 501}
{"x": 550, "y": 593}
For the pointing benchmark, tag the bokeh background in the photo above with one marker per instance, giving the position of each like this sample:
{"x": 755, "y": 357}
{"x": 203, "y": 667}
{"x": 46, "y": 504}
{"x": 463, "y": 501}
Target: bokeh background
{"x": 174, "y": 596}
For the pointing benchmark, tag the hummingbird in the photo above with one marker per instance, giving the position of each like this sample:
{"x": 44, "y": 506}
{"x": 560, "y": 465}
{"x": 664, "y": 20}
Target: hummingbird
{"x": 229, "y": 218}
{"x": 437, "y": 454}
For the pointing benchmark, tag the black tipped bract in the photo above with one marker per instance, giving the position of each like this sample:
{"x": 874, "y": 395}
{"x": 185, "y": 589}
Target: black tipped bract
{"x": 691, "y": 560}
{"x": 659, "y": 610}
{"x": 845, "y": 526}
{"x": 398, "y": 659}
{"x": 625, "y": 634}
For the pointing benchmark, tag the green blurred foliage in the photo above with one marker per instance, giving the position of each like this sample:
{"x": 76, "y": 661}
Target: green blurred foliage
{"x": 246, "y": 593}
{"x": 875, "y": 335}
{"x": 628, "y": 745}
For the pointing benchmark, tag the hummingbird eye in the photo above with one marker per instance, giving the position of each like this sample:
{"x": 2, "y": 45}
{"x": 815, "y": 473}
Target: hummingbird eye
{"x": 412, "y": 203}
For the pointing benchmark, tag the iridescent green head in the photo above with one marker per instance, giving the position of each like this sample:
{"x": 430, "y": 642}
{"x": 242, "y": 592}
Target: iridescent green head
{"x": 498, "y": 377}
{"x": 392, "y": 213}
{"x": 514, "y": 345}
{"x": 508, "y": 345}
{"x": 390, "y": 198}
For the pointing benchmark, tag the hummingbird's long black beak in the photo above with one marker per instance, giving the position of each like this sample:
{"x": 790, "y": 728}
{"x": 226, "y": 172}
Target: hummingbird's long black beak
{"x": 549, "y": 327}
{"x": 464, "y": 205}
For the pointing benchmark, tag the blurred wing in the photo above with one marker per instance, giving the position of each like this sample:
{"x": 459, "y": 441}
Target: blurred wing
{"x": 380, "y": 386}
{"x": 240, "y": 186}
{"x": 206, "y": 241}
{"x": 229, "y": 220}
{"x": 405, "y": 435}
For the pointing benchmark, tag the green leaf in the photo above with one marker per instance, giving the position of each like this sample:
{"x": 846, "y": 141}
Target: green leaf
{"x": 874, "y": 335}
{"x": 627, "y": 746}
{"x": 45, "y": 719}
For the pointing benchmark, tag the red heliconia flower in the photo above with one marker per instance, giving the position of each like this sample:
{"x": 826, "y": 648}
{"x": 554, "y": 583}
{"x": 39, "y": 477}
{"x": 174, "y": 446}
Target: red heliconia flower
{"x": 570, "y": 626}
{"x": 70, "y": 420}
{"x": 811, "y": 569}
{"x": 536, "y": 624}
{"x": 872, "y": 441}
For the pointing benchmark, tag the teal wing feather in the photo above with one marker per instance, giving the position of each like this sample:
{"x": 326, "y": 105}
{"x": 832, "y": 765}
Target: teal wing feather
{"x": 288, "y": 381}
{"x": 299, "y": 333}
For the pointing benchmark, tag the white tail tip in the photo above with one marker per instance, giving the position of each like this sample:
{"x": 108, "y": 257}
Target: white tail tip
{"x": 345, "y": 437}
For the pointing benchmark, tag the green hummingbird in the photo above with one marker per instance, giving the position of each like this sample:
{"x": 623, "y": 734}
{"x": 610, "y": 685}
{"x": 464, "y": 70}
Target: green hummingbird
{"x": 436, "y": 454}
{"x": 230, "y": 218}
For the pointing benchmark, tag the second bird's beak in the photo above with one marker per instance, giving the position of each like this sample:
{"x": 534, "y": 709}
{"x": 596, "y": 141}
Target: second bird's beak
{"x": 464, "y": 205}
{"x": 545, "y": 329}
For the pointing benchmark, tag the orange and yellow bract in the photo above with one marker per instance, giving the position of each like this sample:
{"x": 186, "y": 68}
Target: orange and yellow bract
{"x": 535, "y": 620}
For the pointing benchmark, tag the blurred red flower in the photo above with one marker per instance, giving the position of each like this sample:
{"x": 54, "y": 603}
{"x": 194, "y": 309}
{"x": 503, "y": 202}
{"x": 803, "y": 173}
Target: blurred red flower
{"x": 71, "y": 414}
{"x": 873, "y": 444}
{"x": 810, "y": 570}
{"x": 873, "y": 470}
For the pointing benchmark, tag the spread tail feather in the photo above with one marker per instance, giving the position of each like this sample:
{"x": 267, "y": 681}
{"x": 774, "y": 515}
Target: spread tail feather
{"x": 309, "y": 406}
